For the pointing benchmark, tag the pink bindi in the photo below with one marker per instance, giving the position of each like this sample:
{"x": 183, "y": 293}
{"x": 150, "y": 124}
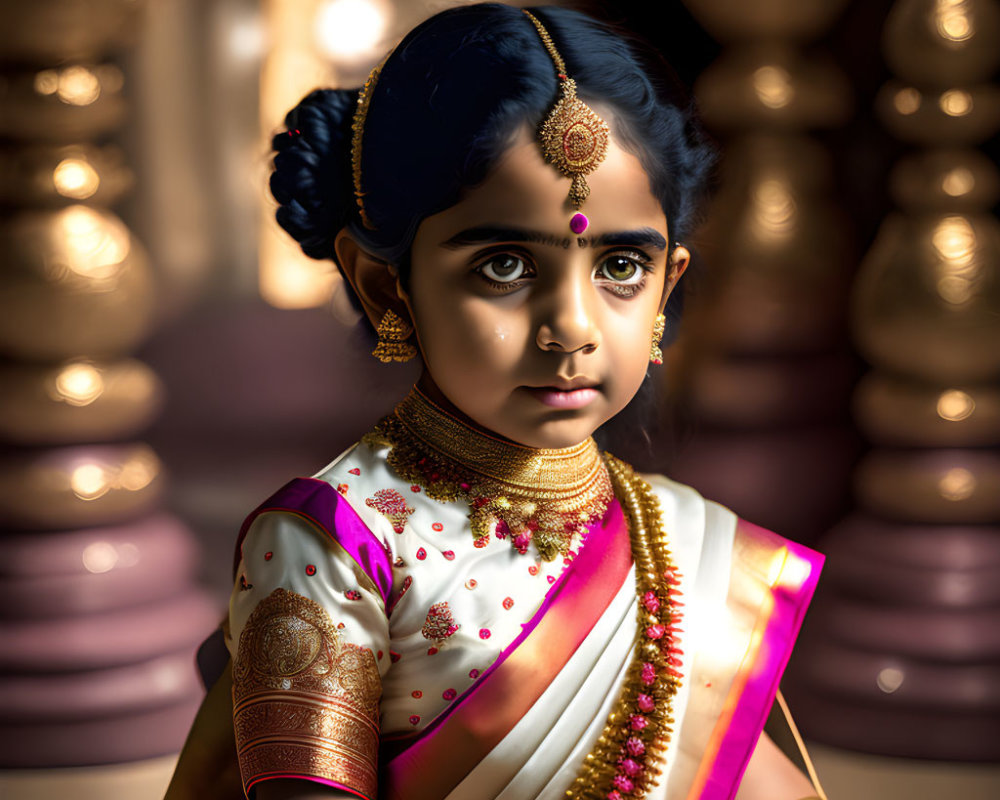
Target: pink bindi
{"x": 578, "y": 224}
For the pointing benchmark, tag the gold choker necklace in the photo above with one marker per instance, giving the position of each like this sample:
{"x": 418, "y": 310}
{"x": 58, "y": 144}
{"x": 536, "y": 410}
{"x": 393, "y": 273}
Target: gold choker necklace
{"x": 519, "y": 493}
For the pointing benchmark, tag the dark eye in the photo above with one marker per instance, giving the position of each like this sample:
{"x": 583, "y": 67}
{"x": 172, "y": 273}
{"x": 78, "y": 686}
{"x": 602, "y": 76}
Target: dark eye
{"x": 504, "y": 268}
{"x": 620, "y": 269}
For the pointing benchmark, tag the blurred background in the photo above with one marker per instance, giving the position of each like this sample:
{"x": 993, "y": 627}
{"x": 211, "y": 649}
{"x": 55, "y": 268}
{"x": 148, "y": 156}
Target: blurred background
{"x": 168, "y": 358}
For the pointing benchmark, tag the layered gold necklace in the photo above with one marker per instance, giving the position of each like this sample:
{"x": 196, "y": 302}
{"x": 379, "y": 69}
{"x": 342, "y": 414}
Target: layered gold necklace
{"x": 522, "y": 494}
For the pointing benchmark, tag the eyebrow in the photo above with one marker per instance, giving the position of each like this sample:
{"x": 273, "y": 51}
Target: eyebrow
{"x": 495, "y": 234}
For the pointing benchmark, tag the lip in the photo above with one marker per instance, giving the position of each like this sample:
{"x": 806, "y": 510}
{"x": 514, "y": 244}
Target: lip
{"x": 569, "y": 399}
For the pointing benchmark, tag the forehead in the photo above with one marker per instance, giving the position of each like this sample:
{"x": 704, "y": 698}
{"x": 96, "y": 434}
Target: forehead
{"x": 523, "y": 190}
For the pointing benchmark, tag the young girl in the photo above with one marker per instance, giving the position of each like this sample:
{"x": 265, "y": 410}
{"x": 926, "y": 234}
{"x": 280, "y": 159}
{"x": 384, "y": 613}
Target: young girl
{"x": 474, "y": 602}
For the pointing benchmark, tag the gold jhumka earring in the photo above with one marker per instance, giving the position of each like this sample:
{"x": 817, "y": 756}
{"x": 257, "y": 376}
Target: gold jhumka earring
{"x": 659, "y": 326}
{"x": 573, "y": 137}
{"x": 392, "y": 335}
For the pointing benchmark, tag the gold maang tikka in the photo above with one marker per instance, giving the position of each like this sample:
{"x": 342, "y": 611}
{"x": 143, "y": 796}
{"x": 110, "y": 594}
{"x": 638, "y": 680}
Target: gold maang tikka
{"x": 573, "y": 137}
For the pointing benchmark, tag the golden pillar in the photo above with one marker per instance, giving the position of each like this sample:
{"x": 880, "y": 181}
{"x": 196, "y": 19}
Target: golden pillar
{"x": 99, "y": 617}
{"x": 905, "y": 653}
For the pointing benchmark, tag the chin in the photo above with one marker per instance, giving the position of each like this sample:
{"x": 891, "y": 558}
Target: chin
{"x": 556, "y": 434}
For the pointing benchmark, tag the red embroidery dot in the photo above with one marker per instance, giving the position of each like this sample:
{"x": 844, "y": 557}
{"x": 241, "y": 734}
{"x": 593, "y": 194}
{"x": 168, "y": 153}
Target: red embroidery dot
{"x": 449, "y": 694}
{"x": 355, "y": 471}
{"x": 508, "y": 603}
{"x": 414, "y": 719}
{"x": 481, "y": 542}
{"x": 310, "y": 569}
{"x": 340, "y": 624}
{"x": 421, "y": 554}
{"x": 431, "y": 651}
{"x": 342, "y": 488}
{"x": 472, "y": 583}
{"x": 550, "y": 578}
{"x": 473, "y": 673}
{"x": 379, "y": 654}
{"x": 438, "y": 526}
{"x": 268, "y": 555}
{"x": 484, "y": 633}
{"x": 352, "y": 594}
{"x": 417, "y": 693}
{"x": 533, "y": 569}
{"x": 449, "y": 554}
{"x": 414, "y": 488}
{"x": 393, "y": 656}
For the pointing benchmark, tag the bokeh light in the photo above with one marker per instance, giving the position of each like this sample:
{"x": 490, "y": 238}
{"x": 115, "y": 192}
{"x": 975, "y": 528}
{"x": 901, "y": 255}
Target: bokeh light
{"x": 773, "y": 86}
{"x": 349, "y": 28}
{"x": 75, "y": 178}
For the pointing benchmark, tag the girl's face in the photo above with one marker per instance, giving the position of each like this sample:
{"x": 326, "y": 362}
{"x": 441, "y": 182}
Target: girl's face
{"x": 533, "y": 332}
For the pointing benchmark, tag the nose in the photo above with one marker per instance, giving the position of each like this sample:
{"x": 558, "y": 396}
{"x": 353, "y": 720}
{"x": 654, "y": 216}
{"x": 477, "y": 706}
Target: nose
{"x": 566, "y": 321}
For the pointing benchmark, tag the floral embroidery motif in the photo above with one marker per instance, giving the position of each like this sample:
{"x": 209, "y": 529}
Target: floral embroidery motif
{"x": 440, "y": 624}
{"x": 484, "y": 633}
{"x": 392, "y": 505}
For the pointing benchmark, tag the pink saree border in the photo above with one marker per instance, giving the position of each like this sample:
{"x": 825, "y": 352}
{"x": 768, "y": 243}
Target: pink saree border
{"x": 318, "y": 502}
{"x": 756, "y": 683}
{"x": 442, "y": 754}
{"x": 270, "y": 776}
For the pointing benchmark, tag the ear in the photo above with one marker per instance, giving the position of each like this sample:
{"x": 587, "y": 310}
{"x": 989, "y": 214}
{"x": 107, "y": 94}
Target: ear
{"x": 676, "y": 264}
{"x": 374, "y": 281}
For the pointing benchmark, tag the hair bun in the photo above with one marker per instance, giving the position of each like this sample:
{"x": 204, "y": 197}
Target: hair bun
{"x": 312, "y": 169}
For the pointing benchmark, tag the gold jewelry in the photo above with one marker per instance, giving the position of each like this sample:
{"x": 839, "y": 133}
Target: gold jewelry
{"x": 630, "y": 752}
{"x": 357, "y": 132}
{"x": 515, "y": 492}
{"x": 573, "y": 137}
{"x": 392, "y": 335}
{"x": 659, "y": 326}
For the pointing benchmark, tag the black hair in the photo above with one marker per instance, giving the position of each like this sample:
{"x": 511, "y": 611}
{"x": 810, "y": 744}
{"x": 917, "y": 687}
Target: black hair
{"x": 448, "y": 101}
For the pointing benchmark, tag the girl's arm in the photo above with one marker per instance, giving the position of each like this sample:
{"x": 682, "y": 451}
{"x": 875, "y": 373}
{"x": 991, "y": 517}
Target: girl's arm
{"x": 771, "y": 776}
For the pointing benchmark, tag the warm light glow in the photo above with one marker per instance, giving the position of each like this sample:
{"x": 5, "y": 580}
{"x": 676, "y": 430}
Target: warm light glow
{"x": 777, "y": 564}
{"x": 773, "y": 86}
{"x": 795, "y": 573}
{"x": 958, "y": 181}
{"x": 291, "y": 67}
{"x": 128, "y": 554}
{"x": 955, "y": 103}
{"x": 78, "y": 86}
{"x": 292, "y": 281}
{"x": 907, "y": 101}
{"x": 95, "y": 246}
{"x": 773, "y": 210}
{"x": 47, "y": 81}
{"x": 890, "y": 679}
{"x": 955, "y": 405}
{"x": 100, "y": 557}
{"x": 75, "y": 178}
{"x": 139, "y": 471}
{"x": 78, "y": 384}
{"x": 952, "y": 20}
{"x": 959, "y": 273}
{"x": 957, "y": 484}
{"x": 90, "y": 481}
{"x": 247, "y": 38}
{"x": 349, "y": 28}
